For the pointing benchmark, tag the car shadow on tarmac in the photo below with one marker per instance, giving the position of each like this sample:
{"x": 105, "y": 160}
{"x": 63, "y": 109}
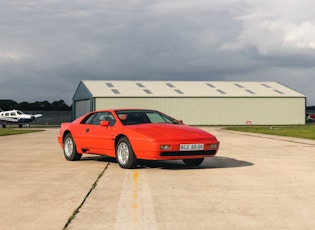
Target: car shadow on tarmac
{"x": 215, "y": 162}
{"x": 208, "y": 163}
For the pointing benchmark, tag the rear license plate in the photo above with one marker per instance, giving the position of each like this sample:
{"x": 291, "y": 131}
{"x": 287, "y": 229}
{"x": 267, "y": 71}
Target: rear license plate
{"x": 191, "y": 147}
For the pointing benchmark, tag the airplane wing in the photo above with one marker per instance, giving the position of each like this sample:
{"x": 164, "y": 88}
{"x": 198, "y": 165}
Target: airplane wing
{"x": 8, "y": 119}
{"x": 37, "y": 115}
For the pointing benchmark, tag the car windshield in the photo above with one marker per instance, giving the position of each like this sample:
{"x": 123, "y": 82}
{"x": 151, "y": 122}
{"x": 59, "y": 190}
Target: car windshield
{"x": 133, "y": 117}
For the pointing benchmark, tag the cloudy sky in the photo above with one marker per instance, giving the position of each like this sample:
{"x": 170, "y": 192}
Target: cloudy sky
{"x": 48, "y": 46}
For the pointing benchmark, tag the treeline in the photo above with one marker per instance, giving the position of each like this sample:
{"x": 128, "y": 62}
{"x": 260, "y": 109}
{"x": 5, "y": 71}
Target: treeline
{"x": 35, "y": 106}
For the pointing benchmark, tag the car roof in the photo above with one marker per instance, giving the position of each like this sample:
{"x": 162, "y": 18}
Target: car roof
{"x": 121, "y": 110}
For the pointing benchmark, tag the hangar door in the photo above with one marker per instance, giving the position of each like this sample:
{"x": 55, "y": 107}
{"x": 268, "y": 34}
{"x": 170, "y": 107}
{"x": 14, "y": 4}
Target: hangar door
{"x": 81, "y": 107}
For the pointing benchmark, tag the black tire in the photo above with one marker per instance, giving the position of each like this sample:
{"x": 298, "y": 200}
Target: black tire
{"x": 193, "y": 162}
{"x": 125, "y": 156}
{"x": 70, "y": 149}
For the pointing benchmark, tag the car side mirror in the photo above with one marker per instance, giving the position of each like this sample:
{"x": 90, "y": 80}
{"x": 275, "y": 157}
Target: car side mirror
{"x": 104, "y": 123}
{"x": 181, "y": 122}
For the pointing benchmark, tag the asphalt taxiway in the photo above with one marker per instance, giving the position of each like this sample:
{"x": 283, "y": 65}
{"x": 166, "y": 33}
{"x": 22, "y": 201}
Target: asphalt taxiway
{"x": 254, "y": 182}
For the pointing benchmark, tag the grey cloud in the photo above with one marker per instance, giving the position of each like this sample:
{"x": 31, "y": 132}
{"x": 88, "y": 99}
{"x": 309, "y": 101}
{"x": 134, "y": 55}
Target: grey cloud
{"x": 47, "y": 47}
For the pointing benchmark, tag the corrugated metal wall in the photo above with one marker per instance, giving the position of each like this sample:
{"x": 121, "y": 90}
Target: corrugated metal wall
{"x": 218, "y": 111}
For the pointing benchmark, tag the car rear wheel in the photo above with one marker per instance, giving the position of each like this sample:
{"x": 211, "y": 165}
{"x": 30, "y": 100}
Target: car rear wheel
{"x": 193, "y": 162}
{"x": 70, "y": 150}
{"x": 124, "y": 154}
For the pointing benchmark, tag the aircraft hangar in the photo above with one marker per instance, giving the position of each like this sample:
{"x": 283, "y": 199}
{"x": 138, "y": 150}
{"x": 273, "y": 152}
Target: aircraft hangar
{"x": 197, "y": 102}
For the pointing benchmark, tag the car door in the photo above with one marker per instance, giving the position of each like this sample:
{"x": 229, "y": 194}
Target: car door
{"x": 99, "y": 139}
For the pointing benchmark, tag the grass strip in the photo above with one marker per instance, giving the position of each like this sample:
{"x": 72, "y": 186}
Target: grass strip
{"x": 77, "y": 210}
{"x": 8, "y": 131}
{"x": 303, "y": 131}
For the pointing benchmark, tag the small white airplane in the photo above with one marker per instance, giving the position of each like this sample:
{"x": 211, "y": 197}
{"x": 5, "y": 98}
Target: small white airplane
{"x": 17, "y": 116}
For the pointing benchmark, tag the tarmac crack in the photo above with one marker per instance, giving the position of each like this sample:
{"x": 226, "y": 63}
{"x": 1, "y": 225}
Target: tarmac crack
{"x": 77, "y": 210}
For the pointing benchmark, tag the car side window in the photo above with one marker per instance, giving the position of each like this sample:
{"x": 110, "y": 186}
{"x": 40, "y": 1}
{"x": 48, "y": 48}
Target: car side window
{"x": 111, "y": 119}
{"x": 88, "y": 119}
{"x": 96, "y": 118}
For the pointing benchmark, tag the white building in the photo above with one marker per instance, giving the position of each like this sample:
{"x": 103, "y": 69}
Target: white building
{"x": 197, "y": 102}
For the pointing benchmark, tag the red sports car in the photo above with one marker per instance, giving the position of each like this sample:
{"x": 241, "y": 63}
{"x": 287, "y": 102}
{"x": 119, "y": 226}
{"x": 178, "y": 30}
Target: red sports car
{"x": 132, "y": 134}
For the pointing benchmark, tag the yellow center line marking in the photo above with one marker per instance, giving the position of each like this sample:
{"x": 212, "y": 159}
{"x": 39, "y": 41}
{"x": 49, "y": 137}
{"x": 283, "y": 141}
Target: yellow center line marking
{"x": 135, "y": 208}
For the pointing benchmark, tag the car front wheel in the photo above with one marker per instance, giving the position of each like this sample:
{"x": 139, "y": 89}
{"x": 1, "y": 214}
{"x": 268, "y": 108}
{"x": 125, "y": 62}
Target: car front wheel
{"x": 193, "y": 162}
{"x": 70, "y": 150}
{"x": 124, "y": 154}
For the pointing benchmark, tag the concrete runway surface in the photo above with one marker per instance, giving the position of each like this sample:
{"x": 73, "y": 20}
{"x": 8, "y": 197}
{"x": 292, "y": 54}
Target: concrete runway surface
{"x": 254, "y": 182}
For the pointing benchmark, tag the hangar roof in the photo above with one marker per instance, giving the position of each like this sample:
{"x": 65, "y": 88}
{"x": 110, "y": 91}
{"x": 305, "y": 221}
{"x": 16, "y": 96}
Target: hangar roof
{"x": 140, "y": 88}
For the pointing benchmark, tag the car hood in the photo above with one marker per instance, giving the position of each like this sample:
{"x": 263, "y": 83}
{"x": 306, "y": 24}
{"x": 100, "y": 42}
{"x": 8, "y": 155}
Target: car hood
{"x": 171, "y": 131}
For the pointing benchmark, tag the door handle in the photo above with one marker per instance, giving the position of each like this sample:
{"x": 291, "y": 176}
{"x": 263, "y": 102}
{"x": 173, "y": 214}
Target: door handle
{"x": 87, "y": 130}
